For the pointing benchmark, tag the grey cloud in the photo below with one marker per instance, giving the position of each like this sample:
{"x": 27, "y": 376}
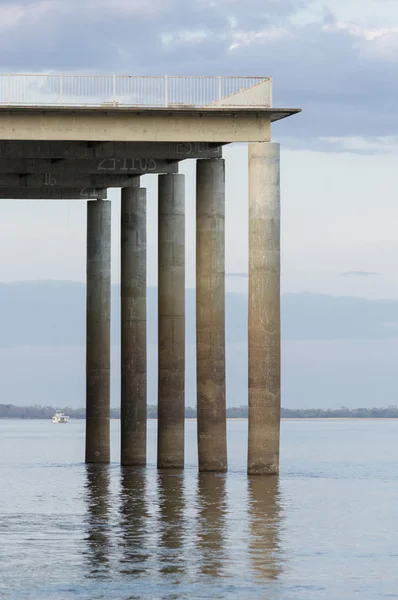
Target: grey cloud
{"x": 108, "y": 34}
{"x": 359, "y": 274}
{"x": 343, "y": 90}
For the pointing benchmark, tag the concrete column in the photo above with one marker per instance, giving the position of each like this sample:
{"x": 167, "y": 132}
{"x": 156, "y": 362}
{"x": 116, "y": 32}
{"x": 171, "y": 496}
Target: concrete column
{"x": 98, "y": 351}
{"x": 133, "y": 327}
{"x": 171, "y": 347}
{"x": 210, "y": 314}
{"x": 264, "y": 309}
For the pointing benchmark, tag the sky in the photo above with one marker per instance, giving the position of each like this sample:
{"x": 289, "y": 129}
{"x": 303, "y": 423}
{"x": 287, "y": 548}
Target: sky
{"x": 337, "y": 60}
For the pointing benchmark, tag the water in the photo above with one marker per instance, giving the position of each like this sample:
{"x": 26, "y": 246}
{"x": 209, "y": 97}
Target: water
{"x": 325, "y": 530}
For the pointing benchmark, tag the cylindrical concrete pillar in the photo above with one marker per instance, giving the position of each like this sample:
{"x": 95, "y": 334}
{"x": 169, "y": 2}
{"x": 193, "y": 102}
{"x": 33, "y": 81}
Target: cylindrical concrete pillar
{"x": 171, "y": 347}
{"x": 133, "y": 327}
{"x": 98, "y": 349}
{"x": 264, "y": 308}
{"x": 210, "y": 314}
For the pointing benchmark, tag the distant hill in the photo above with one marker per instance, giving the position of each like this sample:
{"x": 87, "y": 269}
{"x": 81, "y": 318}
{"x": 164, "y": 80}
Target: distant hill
{"x": 336, "y": 351}
{"x": 52, "y": 313}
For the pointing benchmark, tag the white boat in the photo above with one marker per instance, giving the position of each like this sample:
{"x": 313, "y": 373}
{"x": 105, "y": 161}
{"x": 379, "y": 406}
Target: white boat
{"x": 60, "y": 417}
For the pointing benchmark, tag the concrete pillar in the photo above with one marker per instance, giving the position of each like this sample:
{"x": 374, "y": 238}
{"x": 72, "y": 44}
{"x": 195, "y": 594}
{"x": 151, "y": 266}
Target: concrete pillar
{"x": 210, "y": 314}
{"x": 171, "y": 347}
{"x": 264, "y": 309}
{"x": 98, "y": 350}
{"x": 133, "y": 327}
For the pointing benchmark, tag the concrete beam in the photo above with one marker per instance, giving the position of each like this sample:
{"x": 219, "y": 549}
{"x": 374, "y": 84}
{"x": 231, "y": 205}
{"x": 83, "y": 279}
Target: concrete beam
{"x": 51, "y": 193}
{"x": 264, "y": 309}
{"x": 113, "y": 150}
{"x": 207, "y": 125}
{"x": 102, "y": 166}
{"x": 210, "y": 314}
{"x": 50, "y": 181}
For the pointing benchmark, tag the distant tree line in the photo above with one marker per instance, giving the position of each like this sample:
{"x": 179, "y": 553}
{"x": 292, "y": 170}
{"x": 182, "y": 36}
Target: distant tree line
{"x": 9, "y": 411}
{"x": 391, "y": 412}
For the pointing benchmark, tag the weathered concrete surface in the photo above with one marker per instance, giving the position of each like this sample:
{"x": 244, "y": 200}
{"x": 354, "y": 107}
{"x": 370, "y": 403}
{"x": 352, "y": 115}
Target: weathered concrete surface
{"x": 210, "y": 314}
{"x": 206, "y": 125}
{"x": 133, "y": 327}
{"x": 264, "y": 309}
{"x": 100, "y": 166}
{"x": 53, "y": 182}
{"x": 34, "y": 149}
{"x": 98, "y": 350}
{"x": 259, "y": 95}
{"x": 51, "y": 193}
{"x": 171, "y": 348}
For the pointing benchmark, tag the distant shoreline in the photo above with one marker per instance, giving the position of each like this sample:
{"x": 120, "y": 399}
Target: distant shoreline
{"x": 339, "y": 418}
{"x": 228, "y": 419}
{"x": 10, "y": 411}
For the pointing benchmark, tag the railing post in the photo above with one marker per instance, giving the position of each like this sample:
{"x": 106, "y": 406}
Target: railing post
{"x": 166, "y": 90}
{"x": 219, "y": 88}
{"x": 9, "y": 88}
{"x": 114, "y": 90}
{"x": 60, "y": 88}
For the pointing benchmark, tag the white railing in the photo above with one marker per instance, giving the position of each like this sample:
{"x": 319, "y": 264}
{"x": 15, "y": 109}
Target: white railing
{"x": 141, "y": 91}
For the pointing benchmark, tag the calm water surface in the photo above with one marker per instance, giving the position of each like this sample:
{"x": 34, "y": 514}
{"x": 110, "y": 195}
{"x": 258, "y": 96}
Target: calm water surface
{"x": 327, "y": 528}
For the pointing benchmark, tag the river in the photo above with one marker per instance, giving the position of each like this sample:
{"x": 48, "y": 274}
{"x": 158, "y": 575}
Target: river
{"x": 325, "y": 529}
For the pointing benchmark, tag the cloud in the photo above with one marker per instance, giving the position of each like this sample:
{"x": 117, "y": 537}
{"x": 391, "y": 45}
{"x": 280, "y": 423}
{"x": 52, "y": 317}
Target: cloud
{"x": 341, "y": 73}
{"x": 359, "y": 274}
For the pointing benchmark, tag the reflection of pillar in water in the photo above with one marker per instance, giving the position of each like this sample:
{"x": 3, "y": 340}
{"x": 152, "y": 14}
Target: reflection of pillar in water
{"x": 171, "y": 521}
{"x": 98, "y": 507}
{"x": 264, "y": 523}
{"x": 212, "y": 508}
{"x": 133, "y": 519}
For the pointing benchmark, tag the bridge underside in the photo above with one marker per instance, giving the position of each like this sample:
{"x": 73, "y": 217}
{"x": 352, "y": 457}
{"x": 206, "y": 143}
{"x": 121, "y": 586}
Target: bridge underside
{"x": 84, "y": 170}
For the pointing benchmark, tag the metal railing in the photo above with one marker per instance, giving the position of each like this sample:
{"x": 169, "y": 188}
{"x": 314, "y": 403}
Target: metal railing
{"x": 142, "y": 91}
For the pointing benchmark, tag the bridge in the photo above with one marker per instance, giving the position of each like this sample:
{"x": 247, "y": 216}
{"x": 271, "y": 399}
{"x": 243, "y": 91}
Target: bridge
{"x": 72, "y": 137}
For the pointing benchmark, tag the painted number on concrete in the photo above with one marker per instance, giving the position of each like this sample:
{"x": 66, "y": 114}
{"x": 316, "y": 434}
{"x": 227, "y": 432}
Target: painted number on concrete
{"x": 141, "y": 165}
{"x": 88, "y": 193}
{"x": 188, "y": 148}
{"x": 48, "y": 180}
